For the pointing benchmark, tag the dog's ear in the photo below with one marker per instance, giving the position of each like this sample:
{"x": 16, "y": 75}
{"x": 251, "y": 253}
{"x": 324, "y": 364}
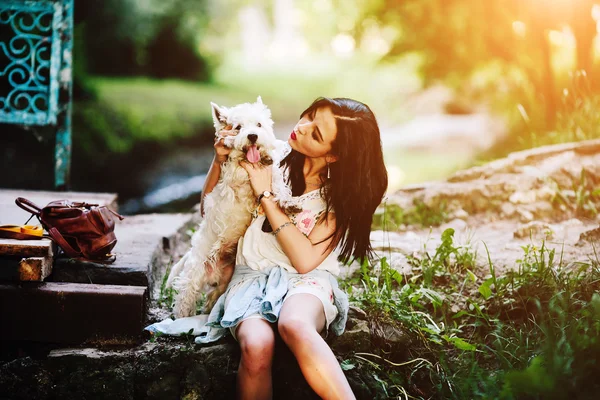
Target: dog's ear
{"x": 219, "y": 116}
{"x": 259, "y": 100}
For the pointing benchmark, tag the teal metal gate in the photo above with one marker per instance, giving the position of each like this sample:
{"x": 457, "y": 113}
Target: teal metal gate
{"x": 35, "y": 71}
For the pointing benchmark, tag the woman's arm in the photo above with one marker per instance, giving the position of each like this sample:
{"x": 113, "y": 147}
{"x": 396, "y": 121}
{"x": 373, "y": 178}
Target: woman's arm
{"x": 214, "y": 172}
{"x": 212, "y": 178}
{"x": 303, "y": 254}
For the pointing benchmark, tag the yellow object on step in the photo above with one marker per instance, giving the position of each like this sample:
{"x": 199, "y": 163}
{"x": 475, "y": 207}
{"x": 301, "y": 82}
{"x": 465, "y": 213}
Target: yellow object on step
{"x": 34, "y": 230}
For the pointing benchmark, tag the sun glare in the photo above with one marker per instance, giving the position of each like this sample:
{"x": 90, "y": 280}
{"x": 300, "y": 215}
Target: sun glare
{"x": 519, "y": 28}
{"x": 343, "y": 45}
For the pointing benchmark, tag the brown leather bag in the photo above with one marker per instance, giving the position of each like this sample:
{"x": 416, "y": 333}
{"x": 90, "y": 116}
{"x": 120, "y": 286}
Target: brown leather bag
{"x": 81, "y": 229}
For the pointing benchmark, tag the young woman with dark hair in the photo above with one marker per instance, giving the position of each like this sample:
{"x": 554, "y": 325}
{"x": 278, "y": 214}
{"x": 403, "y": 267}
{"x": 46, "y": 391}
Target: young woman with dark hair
{"x": 286, "y": 265}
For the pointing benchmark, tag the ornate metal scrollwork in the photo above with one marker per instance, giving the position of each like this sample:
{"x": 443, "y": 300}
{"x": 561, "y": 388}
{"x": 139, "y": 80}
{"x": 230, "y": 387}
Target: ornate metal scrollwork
{"x": 26, "y": 62}
{"x": 35, "y": 71}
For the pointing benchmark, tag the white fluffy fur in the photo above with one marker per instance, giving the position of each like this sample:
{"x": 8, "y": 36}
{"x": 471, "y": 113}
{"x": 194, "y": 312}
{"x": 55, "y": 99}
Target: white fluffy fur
{"x": 228, "y": 208}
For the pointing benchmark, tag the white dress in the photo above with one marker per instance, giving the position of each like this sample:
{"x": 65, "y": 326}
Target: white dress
{"x": 259, "y": 250}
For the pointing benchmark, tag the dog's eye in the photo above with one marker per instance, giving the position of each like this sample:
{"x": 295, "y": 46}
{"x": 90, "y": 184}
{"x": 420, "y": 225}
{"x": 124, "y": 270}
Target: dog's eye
{"x": 259, "y": 125}
{"x": 238, "y": 127}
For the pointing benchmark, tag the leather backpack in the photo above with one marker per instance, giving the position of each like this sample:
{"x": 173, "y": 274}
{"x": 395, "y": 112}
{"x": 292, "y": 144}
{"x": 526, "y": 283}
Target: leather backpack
{"x": 81, "y": 229}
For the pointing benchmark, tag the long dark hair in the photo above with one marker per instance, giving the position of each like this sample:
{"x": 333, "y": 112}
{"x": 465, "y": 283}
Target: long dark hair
{"x": 358, "y": 178}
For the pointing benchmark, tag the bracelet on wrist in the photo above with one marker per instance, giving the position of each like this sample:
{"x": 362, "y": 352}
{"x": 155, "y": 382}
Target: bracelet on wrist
{"x": 281, "y": 227}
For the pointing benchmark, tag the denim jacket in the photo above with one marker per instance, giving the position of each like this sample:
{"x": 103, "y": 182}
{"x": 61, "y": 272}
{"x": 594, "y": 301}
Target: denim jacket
{"x": 259, "y": 292}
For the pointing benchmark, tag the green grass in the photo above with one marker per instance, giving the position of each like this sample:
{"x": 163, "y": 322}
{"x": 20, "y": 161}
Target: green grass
{"x": 166, "y": 295}
{"x": 581, "y": 199}
{"x": 174, "y": 99}
{"x": 577, "y": 118}
{"x": 128, "y": 110}
{"x": 532, "y": 333}
{"x": 132, "y": 110}
{"x": 393, "y": 216}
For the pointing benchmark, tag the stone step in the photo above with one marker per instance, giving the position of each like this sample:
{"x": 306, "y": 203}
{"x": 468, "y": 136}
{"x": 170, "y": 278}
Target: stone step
{"x": 111, "y": 293}
{"x": 172, "y": 368}
{"x": 73, "y": 301}
{"x": 18, "y": 268}
{"x": 32, "y": 260}
{"x": 27, "y": 248}
{"x": 72, "y": 312}
{"x": 26, "y": 260}
{"x": 139, "y": 240}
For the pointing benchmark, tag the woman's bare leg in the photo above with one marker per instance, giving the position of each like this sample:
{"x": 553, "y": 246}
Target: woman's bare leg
{"x": 300, "y": 321}
{"x": 257, "y": 342}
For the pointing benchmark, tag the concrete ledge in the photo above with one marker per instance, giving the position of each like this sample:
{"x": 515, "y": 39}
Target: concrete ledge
{"x": 72, "y": 312}
{"x": 139, "y": 237}
{"x": 163, "y": 370}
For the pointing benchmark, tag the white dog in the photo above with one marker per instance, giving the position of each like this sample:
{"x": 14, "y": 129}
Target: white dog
{"x": 228, "y": 208}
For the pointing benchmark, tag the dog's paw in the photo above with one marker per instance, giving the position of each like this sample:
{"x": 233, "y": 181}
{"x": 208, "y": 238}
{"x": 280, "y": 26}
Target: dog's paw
{"x": 266, "y": 160}
{"x": 228, "y": 141}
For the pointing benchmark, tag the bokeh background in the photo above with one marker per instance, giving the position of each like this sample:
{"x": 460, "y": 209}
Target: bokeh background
{"x": 453, "y": 83}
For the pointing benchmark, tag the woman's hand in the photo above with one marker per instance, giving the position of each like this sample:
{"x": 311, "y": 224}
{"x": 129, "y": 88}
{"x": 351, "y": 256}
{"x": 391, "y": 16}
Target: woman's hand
{"x": 260, "y": 176}
{"x": 222, "y": 151}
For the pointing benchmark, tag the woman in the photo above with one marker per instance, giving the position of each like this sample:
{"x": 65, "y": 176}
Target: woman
{"x": 286, "y": 264}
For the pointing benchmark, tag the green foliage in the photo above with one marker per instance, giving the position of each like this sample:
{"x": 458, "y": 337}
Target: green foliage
{"x": 577, "y": 118}
{"x": 531, "y": 333}
{"x": 155, "y": 336}
{"x": 581, "y": 200}
{"x": 419, "y": 214}
{"x": 418, "y": 304}
{"x": 456, "y": 42}
{"x": 132, "y": 111}
{"x": 150, "y": 38}
{"x": 566, "y": 363}
{"x": 166, "y": 295}
{"x": 578, "y": 115}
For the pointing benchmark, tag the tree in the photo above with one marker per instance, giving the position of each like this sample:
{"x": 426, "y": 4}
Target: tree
{"x": 459, "y": 37}
{"x": 143, "y": 37}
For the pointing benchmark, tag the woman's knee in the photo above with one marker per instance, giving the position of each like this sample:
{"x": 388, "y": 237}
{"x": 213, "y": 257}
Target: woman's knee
{"x": 301, "y": 316}
{"x": 294, "y": 329}
{"x": 257, "y": 343}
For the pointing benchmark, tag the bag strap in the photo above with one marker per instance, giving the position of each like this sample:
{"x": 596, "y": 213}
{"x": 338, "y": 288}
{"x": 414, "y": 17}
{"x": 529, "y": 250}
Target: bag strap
{"x": 84, "y": 204}
{"x": 116, "y": 214}
{"x": 28, "y": 206}
{"x": 60, "y": 240}
{"x": 71, "y": 252}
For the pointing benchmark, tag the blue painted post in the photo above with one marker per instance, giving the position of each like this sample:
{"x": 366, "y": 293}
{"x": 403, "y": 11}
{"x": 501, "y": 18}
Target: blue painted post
{"x": 62, "y": 154}
{"x": 35, "y": 67}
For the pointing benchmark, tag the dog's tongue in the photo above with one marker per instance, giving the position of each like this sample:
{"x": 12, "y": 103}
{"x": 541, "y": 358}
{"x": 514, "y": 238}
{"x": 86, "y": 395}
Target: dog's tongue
{"x": 253, "y": 155}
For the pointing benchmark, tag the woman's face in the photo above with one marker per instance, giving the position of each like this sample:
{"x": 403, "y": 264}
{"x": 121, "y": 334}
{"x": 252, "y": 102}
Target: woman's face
{"x": 314, "y": 134}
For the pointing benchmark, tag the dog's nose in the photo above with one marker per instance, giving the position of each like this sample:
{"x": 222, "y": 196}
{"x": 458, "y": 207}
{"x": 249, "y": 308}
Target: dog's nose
{"x": 252, "y": 138}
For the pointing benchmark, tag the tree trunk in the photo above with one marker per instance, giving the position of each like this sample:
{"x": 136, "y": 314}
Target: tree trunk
{"x": 538, "y": 22}
{"x": 547, "y": 85}
{"x": 584, "y": 30}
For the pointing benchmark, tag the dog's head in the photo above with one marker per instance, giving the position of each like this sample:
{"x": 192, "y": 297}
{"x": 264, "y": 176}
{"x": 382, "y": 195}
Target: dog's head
{"x": 254, "y": 127}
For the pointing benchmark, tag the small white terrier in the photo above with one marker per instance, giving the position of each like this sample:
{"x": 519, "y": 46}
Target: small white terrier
{"x": 228, "y": 208}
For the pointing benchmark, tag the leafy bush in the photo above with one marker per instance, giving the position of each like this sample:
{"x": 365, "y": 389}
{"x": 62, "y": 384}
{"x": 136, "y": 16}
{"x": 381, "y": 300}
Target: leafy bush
{"x": 532, "y": 333}
{"x": 394, "y": 216}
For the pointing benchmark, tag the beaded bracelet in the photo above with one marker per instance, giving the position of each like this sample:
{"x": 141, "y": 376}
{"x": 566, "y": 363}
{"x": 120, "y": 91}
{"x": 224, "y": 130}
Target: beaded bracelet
{"x": 281, "y": 227}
